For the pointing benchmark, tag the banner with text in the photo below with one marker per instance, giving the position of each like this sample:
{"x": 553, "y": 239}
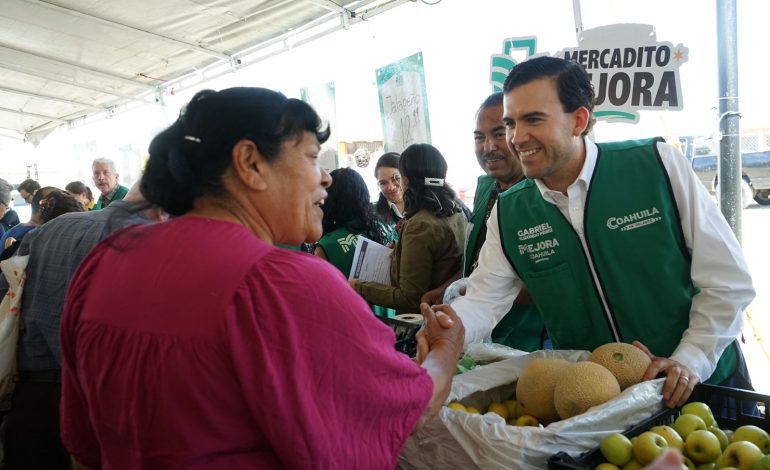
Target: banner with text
{"x": 403, "y": 103}
{"x": 629, "y": 68}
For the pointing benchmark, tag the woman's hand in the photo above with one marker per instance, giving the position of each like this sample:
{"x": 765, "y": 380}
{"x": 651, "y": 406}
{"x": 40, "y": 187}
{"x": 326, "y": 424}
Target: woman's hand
{"x": 443, "y": 320}
{"x": 443, "y": 332}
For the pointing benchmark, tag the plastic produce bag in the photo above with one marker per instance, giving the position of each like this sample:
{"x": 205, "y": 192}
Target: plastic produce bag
{"x": 456, "y": 439}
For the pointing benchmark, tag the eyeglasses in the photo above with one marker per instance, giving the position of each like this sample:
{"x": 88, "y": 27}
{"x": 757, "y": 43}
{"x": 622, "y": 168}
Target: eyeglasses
{"x": 395, "y": 179}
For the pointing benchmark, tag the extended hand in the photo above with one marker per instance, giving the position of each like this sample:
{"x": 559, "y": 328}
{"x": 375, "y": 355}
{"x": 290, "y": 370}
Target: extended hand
{"x": 443, "y": 317}
{"x": 680, "y": 379}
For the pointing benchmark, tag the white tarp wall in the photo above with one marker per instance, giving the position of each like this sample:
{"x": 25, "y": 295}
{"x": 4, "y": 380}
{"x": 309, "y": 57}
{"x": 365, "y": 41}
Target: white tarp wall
{"x": 456, "y": 38}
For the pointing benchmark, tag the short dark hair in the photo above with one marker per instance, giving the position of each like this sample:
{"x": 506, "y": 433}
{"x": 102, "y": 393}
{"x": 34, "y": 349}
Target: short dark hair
{"x": 188, "y": 159}
{"x": 572, "y": 82}
{"x": 387, "y": 160}
{"x": 28, "y": 185}
{"x": 421, "y": 161}
{"x": 347, "y": 205}
{"x": 495, "y": 99}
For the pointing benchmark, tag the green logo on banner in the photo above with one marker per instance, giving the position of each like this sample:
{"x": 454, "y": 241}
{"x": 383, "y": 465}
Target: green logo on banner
{"x": 502, "y": 64}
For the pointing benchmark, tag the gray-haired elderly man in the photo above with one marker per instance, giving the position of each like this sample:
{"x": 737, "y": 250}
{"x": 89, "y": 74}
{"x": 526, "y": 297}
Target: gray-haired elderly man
{"x": 106, "y": 179}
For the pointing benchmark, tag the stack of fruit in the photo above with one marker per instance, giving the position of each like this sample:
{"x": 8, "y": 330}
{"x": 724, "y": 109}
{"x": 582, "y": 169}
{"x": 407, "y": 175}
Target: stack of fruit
{"x": 552, "y": 389}
{"x": 697, "y": 435}
{"x": 509, "y": 410}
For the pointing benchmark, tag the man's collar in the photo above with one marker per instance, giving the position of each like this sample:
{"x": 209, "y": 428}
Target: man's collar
{"x": 585, "y": 173}
{"x": 111, "y": 194}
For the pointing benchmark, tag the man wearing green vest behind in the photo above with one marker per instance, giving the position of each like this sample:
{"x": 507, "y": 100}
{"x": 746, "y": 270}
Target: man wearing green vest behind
{"x": 522, "y": 328}
{"x": 106, "y": 180}
{"x": 615, "y": 242}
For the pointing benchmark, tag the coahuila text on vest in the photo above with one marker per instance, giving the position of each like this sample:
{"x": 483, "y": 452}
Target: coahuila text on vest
{"x": 536, "y": 231}
{"x": 634, "y": 220}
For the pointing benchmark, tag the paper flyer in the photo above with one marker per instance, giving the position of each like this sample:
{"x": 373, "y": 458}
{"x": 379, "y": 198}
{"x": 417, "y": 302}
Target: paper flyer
{"x": 371, "y": 262}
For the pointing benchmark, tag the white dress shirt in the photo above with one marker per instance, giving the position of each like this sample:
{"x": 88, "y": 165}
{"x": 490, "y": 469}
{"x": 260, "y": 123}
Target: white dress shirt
{"x": 718, "y": 269}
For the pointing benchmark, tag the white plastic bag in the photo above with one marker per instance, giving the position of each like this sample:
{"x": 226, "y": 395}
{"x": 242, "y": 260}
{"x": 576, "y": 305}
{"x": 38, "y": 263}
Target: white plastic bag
{"x": 456, "y": 439}
{"x": 14, "y": 270}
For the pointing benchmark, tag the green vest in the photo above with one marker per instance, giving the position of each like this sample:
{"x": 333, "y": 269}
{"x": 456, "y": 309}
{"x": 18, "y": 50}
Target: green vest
{"x": 339, "y": 247}
{"x": 634, "y": 239}
{"x": 480, "y": 201}
{"x": 118, "y": 196}
{"x": 522, "y": 327}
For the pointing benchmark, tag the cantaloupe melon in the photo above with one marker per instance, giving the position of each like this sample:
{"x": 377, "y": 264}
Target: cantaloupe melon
{"x": 581, "y": 386}
{"x": 534, "y": 389}
{"x": 626, "y": 362}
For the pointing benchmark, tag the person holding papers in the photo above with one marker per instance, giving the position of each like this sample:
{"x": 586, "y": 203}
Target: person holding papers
{"x": 432, "y": 235}
{"x": 348, "y": 214}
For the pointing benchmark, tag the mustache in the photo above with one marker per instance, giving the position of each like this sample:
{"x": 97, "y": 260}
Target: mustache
{"x": 490, "y": 155}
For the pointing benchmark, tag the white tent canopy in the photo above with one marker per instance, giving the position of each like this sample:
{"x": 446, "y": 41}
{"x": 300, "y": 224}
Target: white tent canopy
{"x": 63, "y": 60}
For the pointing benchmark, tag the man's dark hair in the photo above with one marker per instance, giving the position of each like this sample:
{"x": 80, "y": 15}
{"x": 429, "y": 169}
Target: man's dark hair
{"x": 495, "y": 99}
{"x": 28, "y": 185}
{"x": 572, "y": 82}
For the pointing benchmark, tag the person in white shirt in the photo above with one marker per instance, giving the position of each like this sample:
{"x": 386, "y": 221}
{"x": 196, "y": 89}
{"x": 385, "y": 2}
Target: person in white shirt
{"x": 615, "y": 242}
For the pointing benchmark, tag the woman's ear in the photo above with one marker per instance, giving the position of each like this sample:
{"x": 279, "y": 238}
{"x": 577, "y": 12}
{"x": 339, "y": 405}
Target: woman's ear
{"x": 249, "y": 166}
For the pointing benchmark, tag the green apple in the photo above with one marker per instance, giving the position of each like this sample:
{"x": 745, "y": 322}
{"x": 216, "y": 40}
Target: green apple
{"x": 685, "y": 424}
{"x": 762, "y": 464}
{"x": 721, "y": 435}
{"x": 671, "y": 436}
{"x": 741, "y": 455}
{"x": 730, "y": 434}
{"x": 753, "y": 434}
{"x": 706, "y": 466}
{"x": 616, "y": 448}
{"x": 632, "y": 465}
{"x": 702, "y": 446}
{"x": 700, "y": 410}
{"x": 648, "y": 447}
{"x": 688, "y": 463}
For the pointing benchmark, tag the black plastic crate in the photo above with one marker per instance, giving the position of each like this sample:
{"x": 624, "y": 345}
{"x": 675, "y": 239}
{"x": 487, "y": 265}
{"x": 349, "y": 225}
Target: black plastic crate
{"x": 732, "y": 408}
{"x": 406, "y": 342}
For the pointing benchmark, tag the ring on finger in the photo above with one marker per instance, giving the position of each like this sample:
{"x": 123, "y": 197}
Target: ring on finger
{"x": 686, "y": 379}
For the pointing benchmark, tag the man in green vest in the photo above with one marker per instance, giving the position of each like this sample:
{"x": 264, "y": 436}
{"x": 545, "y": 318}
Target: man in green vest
{"x": 615, "y": 242}
{"x": 522, "y": 328}
{"x": 106, "y": 180}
